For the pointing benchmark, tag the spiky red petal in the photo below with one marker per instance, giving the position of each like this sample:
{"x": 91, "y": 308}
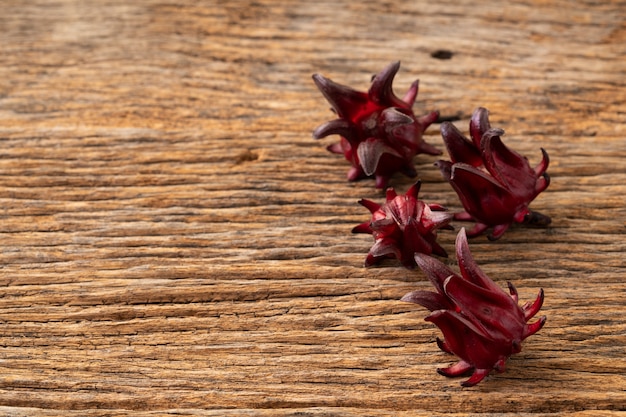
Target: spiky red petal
{"x": 494, "y": 183}
{"x": 458, "y": 369}
{"x": 403, "y": 226}
{"x": 459, "y": 148}
{"x": 379, "y": 132}
{"x": 481, "y": 323}
{"x": 479, "y": 124}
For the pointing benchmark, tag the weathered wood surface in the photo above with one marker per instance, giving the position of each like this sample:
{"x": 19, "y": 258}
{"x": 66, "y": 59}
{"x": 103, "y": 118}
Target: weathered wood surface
{"x": 173, "y": 241}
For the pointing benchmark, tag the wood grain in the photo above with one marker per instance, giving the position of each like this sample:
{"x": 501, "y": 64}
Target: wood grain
{"x": 174, "y": 242}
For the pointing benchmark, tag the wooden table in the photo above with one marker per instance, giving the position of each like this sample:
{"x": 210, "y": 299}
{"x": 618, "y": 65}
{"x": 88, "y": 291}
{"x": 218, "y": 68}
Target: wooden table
{"x": 174, "y": 242}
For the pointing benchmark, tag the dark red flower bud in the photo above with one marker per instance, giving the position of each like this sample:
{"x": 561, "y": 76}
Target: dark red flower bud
{"x": 402, "y": 227}
{"x": 481, "y": 324}
{"x": 495, "y": 184}
{"x": 379, "y": 132}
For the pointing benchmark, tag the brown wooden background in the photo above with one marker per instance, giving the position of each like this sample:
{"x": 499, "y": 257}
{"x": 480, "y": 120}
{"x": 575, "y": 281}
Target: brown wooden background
{"x": 174, "y": 242}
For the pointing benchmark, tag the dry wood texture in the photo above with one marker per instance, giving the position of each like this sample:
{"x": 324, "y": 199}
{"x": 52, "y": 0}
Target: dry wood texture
{"x": 173, "y": 241}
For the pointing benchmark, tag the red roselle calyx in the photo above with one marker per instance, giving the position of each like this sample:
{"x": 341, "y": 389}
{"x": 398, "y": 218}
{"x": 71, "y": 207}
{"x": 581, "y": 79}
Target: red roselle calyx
{"x": 481, "y": 324}
{"x": 403, "y": 226}
{"x": 495, "y": 184}
{"x": 379, "y": 132}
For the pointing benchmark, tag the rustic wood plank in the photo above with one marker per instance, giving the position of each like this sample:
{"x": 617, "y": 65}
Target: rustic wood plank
{"x": 173, "y": 242}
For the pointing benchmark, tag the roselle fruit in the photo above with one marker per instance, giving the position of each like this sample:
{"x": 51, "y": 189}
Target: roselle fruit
{"x": 481, "y": 324}
{"x": 403, "y": 226}
{"x": 494, "y": 183}
{"x": 379, "y": 132}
